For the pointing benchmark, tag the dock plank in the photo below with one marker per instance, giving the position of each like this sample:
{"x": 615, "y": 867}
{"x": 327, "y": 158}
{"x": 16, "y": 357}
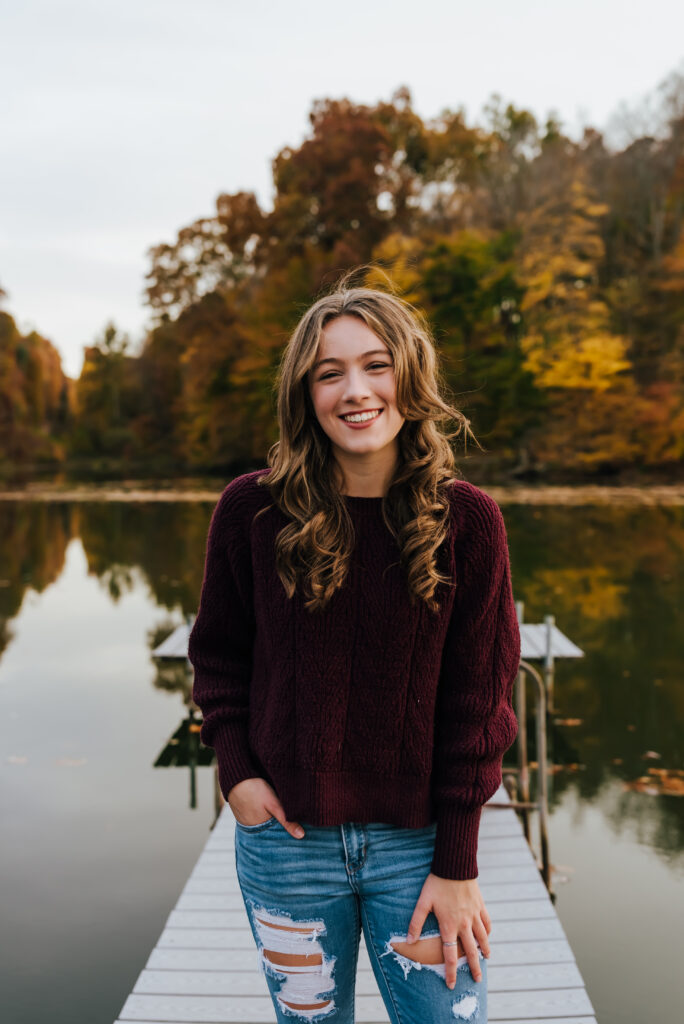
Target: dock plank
{"x": 512, "y": 978}
{"x": 245, "y": 958}
{"x": 239, "y": 1010}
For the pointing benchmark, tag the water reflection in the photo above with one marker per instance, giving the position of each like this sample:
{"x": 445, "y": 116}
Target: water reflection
{"x": 183, "y": 749}
{"x": 612, "y": 577}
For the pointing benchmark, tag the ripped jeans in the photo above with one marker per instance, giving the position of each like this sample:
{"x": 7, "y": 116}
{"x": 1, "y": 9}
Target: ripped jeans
{"x": 307, "y": 901}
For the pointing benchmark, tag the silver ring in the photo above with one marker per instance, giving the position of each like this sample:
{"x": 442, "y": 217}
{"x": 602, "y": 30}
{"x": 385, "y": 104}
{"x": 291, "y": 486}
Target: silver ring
{"x": 450, "y": 943}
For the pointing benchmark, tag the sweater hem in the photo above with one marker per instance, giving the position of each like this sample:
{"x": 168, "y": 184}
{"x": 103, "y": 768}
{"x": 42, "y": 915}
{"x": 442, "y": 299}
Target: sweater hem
{"x": 336, "y": 797}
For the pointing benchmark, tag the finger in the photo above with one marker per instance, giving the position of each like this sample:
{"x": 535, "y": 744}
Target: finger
{"x": 486, "y": 919}
{"x": 451, "y": 954}
{"x": 473, "y": 954}
{"x": 480, "y": 933}
{"x": 420, "y": 912}
{"x": 293, "y": 827}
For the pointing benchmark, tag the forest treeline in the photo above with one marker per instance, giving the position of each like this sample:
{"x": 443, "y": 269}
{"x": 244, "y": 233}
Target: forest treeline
{"x": 551, "y": 270}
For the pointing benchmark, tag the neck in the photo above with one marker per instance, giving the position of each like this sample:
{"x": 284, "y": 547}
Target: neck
{"x": 368, "y": 477}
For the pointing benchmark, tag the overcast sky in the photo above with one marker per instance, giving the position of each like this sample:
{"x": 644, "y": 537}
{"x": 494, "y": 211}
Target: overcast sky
{"x": 122, "y": 120}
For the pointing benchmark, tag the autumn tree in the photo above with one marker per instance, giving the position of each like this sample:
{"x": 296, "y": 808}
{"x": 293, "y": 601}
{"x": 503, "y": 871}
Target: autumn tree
{"x": 211, "y": 254}
{"x": 34, "y": 396}
{"x": 465, "y": 282}
{"x": 107, "y": 397}
{"x": 225, "y": 403}
{"x": 569, "y": 345}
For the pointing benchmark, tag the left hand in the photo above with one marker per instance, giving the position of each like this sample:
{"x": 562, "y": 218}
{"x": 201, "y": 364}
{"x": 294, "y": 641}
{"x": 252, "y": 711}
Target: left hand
{"x": 460, "y": 910}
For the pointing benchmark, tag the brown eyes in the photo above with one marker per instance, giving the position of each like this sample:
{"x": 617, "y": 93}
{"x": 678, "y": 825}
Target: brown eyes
{"x": 332, "y": 373}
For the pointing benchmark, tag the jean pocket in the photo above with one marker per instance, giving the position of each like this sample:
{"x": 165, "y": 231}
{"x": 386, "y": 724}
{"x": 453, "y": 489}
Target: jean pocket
{"x": 259, "y": 827}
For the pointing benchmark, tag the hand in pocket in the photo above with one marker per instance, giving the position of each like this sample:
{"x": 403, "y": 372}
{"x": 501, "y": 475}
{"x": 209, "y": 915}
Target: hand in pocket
{"x": 254, "y": 801}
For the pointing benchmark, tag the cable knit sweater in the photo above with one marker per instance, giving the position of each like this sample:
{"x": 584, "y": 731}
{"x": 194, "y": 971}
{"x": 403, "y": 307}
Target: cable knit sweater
{"x": 373, "y": 710}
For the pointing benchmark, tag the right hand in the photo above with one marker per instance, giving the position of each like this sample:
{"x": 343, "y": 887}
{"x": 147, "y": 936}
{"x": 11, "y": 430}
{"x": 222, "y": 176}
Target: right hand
{"x": 253, "y": 801}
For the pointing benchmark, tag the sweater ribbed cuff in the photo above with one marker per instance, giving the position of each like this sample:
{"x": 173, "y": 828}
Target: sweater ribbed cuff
{"x": 455, "y": 851}
{"x": 233, "y": 756}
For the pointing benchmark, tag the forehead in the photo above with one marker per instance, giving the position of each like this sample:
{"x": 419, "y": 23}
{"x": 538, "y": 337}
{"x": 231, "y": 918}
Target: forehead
{"x": 348, "y": 337}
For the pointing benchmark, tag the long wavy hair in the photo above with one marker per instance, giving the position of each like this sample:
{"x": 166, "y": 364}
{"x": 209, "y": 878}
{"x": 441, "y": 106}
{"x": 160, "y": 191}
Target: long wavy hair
{"x": 317, "y": 543}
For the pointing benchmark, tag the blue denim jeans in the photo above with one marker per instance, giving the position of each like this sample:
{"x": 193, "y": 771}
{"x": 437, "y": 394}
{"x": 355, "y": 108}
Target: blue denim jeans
{"x": 307, "y": 901}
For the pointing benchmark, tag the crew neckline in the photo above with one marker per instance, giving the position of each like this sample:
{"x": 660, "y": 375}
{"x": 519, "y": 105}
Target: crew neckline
{"x": 361, "y": 499}
{"x": 363, "y": 506}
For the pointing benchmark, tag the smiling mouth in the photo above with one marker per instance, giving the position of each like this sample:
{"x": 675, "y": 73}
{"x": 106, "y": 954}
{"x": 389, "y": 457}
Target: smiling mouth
{"x": 365, "y": 416}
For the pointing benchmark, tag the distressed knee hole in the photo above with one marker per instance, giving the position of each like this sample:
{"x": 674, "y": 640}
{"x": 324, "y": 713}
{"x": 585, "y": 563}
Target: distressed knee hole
{"x": 426, "y": 952}
{"x": 465, "y": 1007}
{"x": 290, "y": 951}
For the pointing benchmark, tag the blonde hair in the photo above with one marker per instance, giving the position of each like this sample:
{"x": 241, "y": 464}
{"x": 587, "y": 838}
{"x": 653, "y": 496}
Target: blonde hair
{"x": 316, "y": 545}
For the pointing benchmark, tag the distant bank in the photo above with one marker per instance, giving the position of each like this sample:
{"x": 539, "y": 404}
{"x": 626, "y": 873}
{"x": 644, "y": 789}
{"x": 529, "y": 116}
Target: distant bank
{"x": 515, "y": 494}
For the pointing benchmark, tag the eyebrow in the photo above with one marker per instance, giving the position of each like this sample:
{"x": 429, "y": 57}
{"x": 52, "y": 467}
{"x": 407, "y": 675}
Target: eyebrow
{"x": 373, "y": 352}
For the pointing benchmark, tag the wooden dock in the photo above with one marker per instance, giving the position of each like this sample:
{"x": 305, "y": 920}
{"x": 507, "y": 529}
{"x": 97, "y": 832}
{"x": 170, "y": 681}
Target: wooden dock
{"x": 204, "y": 968}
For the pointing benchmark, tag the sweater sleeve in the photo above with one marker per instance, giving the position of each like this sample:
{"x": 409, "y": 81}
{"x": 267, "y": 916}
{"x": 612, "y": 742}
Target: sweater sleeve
{"x": 221, "y": 641}
{"x": 475, "y": 722}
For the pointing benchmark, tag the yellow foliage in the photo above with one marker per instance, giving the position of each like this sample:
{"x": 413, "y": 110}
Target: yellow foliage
{"x": 590, "y": 590}
{"x": 400, "y": 256}
{"x": 538, "y": 287}
{"x": 568, "y": 343}
{"x": 591, "y": 362}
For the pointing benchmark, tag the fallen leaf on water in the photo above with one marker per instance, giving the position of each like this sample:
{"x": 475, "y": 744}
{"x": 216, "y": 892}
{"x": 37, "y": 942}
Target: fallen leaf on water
{"x": 616, "y": 760}
{"x": 16, "y": 759}
{"x": 641, "y": 786}
{"x": 651, "y": 755}
{"x": 660, "y": 783}
{"x": 70, "y": 762}
{"x": 568, "y": 721}
{"x": 673, "y": 787}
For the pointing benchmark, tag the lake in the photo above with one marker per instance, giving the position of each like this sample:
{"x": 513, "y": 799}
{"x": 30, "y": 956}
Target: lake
{"x": 101, "y": 826}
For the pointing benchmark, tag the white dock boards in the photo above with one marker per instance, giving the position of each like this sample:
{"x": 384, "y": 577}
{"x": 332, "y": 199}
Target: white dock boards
{"x": 204, "y": 968}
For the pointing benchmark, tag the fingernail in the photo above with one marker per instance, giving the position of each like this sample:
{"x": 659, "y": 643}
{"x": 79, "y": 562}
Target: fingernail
{"x": 299, "y": 832}
{"x": 410, "y": 937}
{"x": 450, "y": 984}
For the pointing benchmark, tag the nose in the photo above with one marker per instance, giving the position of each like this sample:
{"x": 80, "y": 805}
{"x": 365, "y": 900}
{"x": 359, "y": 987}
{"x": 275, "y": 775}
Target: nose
{"x": 355, "y": 386}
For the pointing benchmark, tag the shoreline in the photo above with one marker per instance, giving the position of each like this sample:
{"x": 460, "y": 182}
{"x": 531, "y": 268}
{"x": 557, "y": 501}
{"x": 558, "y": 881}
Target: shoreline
{"x": 515, "y": 494}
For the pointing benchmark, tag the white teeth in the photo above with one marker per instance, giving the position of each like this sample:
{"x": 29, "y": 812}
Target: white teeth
{"x": 359, "y": 417}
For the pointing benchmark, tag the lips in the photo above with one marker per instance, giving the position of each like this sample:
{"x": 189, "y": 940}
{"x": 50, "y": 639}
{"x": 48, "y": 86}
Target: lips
{"x": 358, "y": 412}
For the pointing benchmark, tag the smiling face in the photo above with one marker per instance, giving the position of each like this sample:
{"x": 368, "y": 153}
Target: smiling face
{"x": 354, "y": 374}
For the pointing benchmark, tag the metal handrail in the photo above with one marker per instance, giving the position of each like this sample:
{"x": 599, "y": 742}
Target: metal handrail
{"x": 523, "y": 776}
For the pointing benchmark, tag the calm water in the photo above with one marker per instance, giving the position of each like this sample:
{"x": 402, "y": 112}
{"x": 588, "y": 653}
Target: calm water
{"x": 97, "y": 841}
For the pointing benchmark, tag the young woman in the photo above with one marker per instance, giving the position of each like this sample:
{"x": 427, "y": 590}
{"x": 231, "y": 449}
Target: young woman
{"x": 355, "y": 650}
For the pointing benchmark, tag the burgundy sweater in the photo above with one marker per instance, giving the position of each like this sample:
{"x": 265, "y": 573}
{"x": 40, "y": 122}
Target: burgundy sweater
{"x": 373, "y": 710}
